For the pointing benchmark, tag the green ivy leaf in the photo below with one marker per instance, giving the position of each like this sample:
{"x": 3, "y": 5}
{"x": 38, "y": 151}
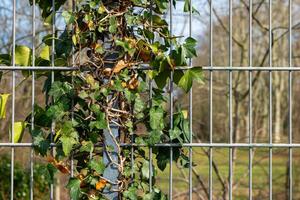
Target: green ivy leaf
{"x": 67, "y": 144}
{"x": 56, "y": 112}
{"x": 69, "y": 17}
{"x": 189, "y": 76}
{"x": 112, "y": 24}
{"x": 162, "y": 78}
{"x": 189, "y": 48}
{"x": 131, "y": 193}
{"x": 97, "y": 165}
{"x": 187, "y": 5}
{"x": 154, "y": 137}
{"x": 175, "y": 134}
{"x": 5, "y": 59}
{"x": 139, "y": 106}
{"x": 41, "y": 144}
{"x": 158, "y": 21}
{"x": 59, "y": 89}
{"x": 162, "y": 158}
{"x": 100, "y": 122}
{"x": 156, "y": 194}
{"x": 74, "y": 187}
{"x": 156, "y": 118}
{"x": 87, "y": 146}
{"x": 126, "y": 46}
{"x": 145, "y": 170}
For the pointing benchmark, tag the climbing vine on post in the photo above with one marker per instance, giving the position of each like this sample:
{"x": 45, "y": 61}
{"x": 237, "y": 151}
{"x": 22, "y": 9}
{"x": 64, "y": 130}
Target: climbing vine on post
{"x": 117, "y": 46}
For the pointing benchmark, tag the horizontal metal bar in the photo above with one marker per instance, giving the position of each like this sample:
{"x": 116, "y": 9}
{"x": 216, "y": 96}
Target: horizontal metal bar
{"x": 216, "y": 145}
{"x": 145, "y": 67}
{"x": 39, "y": 68}
{"x": 249, "y": 68}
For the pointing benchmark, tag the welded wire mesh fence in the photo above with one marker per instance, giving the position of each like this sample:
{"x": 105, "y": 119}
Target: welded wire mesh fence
{"x": 230, "y": 68}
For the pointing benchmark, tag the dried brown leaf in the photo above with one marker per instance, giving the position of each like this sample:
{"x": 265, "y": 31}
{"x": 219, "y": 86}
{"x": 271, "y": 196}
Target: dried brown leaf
{"x": 119, "y": 66}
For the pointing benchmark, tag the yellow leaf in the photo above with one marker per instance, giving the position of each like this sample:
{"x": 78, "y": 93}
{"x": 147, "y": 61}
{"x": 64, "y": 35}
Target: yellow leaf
{"x": 22, "y": 55}
{"x": 119, "y": 66}
{"x": 185, "y": 114}
{"x": 101, "y": 9}
{"x": 3, "y": 102}
{"x": 100, "y": 184}
{"x": 74, "y": 39}
{"x": 19, "y": 128}
{"x": 57, "y": 134}
{"x": 45, "y": 53}
{"x": 90, "y": 80}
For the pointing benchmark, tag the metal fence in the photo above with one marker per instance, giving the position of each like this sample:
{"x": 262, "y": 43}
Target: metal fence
{"x": 211, "y": 69}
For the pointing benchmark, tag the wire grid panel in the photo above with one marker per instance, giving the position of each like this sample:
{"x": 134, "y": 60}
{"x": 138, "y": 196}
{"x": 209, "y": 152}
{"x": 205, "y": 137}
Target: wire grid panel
{"x": 210, "y": 69}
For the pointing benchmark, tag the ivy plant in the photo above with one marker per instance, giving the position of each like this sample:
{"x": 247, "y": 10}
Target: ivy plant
{"x": 117, "y": 47}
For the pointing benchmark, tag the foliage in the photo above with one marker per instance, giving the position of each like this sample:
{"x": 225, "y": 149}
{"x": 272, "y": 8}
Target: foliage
{"x": 22, "y": 181}
{"x": 3, "y": 102}
{"x": 110, "y": 88}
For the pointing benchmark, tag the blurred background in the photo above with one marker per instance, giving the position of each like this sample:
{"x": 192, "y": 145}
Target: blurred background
{"x": 201, "y": 101}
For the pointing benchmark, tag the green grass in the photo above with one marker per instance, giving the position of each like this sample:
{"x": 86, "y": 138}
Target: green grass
{"x": 260, "y": 171}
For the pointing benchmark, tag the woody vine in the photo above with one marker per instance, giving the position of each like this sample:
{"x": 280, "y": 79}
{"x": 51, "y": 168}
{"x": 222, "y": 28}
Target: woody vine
{"x": 117, "y": 47}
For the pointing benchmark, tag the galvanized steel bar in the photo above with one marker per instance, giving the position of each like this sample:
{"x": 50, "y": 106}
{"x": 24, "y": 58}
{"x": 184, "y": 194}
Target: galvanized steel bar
{"x": 150, "y": 103}
{"x": 73, "y": 65}
{"x": 37, "y": 68}
{"x": 171, "y": 95}
{"x": 146, "y": 67}
{"x": 250, "y": 101}
{"x": 190, "y": 114}
{"x": 205, "y": 145}
{"x": 270, "y": 99}
{"x": 32, "y": 99}
{"x": 13, "y": 103}
{"x": 230, "y": 105}
{"x": 52, "y": 81}
{"x": 210, "y": 181}
{"x": 290, "y": 105}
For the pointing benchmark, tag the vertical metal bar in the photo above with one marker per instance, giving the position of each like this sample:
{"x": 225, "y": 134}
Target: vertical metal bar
{"x": 52, "y": 80}
{"x": 190, "y": 114}
{"x": 171, "y": 108}
{"x": 150, "y": 103}
{"x": 73, "y": 64}
{"x": 132, "y": 157}
{"x": 250, "y": 101}
{"x": 150, "y": 162}
{"x": 32, "y": 98}
{"x": 270, "y": 100}
{"x": 211, "y": 102}
{"x": 111, "y": 171}
{"x": 13, "y": 103}
{"x": 290, "y": 104}
{"x": 230, "y": 102}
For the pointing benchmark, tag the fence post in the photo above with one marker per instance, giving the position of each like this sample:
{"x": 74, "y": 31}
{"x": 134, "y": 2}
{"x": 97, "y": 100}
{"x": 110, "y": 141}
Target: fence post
{"x": 111, "y": 172}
